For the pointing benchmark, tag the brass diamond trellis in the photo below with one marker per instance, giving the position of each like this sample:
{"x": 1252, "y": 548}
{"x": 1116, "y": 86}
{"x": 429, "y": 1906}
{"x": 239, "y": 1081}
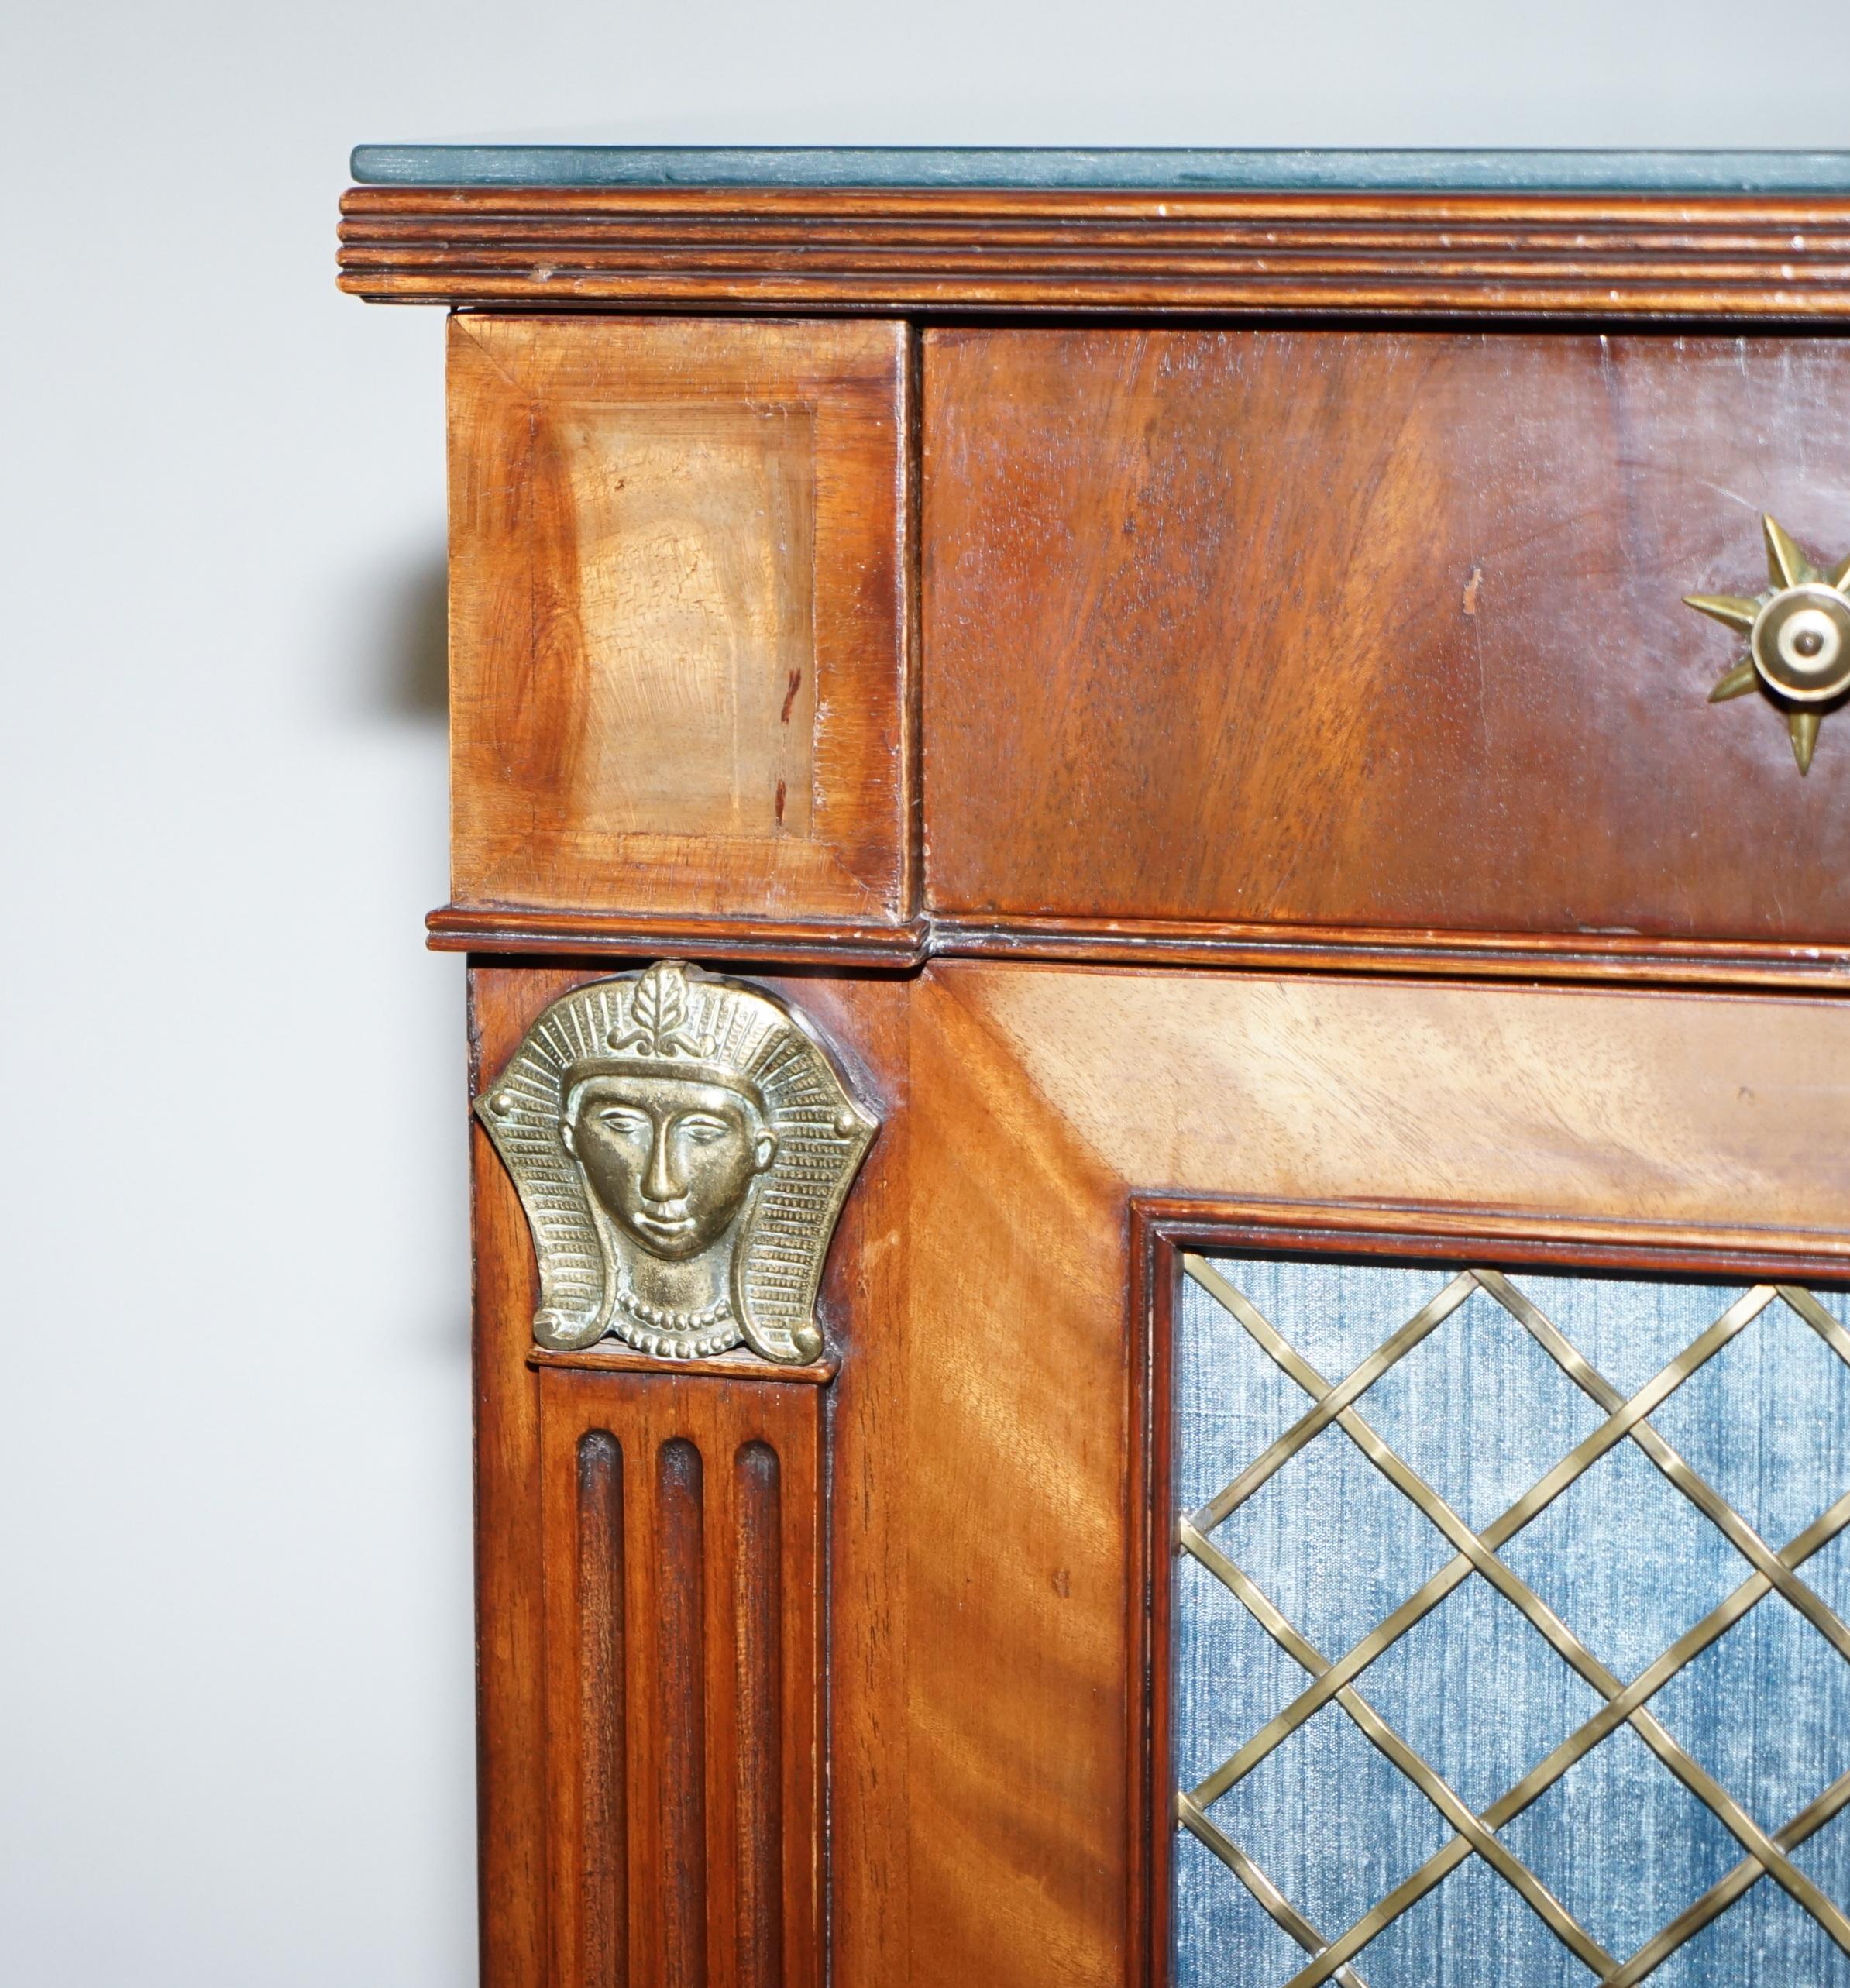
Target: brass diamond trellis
{"x": 1475, "y": 1834}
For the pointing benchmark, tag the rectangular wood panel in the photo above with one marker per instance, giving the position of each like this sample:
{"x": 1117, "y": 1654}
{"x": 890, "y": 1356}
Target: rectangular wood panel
{"x": 1370, "y": 631}
{"x": 678, "y": 618}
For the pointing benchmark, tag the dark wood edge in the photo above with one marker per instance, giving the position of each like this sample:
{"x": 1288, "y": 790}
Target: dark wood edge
{"x": 912, "y": 675}
{"x": 725, "y": 1367}
{"x": 1153, "y": 942}
{"x": 1032, "y": 250}
{"x": 1155, "y": 1272}
{"x": 1131, "y": 942}
{"x": 1759, "y": 1251}
{"x": 1162, "y": 1227}
{"x": 551, "y": 934}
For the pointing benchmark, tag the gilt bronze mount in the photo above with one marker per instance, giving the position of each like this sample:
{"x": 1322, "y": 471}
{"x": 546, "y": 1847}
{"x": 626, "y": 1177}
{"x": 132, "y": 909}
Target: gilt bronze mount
{"x": 681, "y": 1144}
{"x": 1798, "y": 635}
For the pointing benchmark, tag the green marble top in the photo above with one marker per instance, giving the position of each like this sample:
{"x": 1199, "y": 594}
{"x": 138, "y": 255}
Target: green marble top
{"x": 1153, "y": 170}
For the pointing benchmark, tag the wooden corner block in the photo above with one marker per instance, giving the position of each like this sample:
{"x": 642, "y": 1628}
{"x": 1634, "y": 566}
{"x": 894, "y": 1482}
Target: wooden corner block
{"x": 679, "y": 619}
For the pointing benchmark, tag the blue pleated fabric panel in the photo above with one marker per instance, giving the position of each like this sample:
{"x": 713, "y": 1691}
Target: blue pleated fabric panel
{"x": 1481, "y": 1412}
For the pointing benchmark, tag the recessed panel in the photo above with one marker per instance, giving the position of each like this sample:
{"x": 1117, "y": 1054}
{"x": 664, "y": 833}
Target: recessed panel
{"x": 1508, "y": 1618}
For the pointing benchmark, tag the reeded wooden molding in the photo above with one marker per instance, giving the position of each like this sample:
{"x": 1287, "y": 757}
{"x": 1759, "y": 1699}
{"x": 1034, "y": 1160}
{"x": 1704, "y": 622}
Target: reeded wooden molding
{"x": 684, "y": 1681}
{"x": 1477, "y": 955}
{"x": 921, "y": 251}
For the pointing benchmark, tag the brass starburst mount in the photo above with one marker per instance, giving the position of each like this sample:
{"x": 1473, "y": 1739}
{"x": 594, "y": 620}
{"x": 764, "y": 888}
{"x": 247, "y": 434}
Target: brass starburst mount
{"x": 1798, "y": 638}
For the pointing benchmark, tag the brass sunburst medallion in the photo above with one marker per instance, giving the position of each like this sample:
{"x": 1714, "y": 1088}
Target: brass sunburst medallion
{"x": 1798, "y": 639}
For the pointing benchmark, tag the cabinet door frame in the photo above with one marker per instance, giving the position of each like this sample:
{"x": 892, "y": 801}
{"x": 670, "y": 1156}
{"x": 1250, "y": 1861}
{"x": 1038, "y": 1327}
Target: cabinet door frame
{"x": 1165, "y": 1230}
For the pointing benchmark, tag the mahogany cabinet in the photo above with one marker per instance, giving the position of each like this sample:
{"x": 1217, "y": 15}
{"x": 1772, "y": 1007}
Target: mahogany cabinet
{"x": 1159, "y": 1060}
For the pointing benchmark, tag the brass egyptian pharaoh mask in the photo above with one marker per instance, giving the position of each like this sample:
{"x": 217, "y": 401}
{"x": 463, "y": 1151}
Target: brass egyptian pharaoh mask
{"x": 682, "y": 1145}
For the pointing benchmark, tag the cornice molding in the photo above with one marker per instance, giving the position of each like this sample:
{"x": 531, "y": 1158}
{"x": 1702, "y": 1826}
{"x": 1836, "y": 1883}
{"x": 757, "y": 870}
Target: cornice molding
{"x": 920, "y": 252}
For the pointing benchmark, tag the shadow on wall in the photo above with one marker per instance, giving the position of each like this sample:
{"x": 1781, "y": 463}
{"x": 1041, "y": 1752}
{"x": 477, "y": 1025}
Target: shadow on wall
{"x": 414, "y": 681}
{"x": 390, "y": 635}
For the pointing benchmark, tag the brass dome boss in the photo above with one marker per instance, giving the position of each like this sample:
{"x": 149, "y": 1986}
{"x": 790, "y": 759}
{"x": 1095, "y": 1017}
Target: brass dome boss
{"x": 1798, "y": 638}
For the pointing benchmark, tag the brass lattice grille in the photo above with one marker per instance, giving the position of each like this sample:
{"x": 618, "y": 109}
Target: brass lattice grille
{"x": 1475, "y": 1833}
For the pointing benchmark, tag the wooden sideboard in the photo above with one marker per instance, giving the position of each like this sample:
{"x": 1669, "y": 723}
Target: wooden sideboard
{"x": 1172, "y": 709}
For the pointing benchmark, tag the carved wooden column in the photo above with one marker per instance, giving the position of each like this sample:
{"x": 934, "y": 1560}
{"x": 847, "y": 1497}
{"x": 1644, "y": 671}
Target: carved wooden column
{"x": 678, "y": 661}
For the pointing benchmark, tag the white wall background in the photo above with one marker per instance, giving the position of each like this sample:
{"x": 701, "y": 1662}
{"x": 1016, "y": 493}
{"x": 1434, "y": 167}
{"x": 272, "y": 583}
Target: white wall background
{"x": 236, "y": 1743}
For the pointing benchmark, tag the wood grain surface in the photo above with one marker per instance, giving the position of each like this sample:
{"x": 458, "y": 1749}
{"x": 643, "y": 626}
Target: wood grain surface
{"x": 678, "y": 618}
{"x": 1043, "y": 1099}
{"x": 1377, "y": 631}
{"x": 924, "y": 251}
{"x": 1328, "y": 649}
{"x": 511, "y": 1655}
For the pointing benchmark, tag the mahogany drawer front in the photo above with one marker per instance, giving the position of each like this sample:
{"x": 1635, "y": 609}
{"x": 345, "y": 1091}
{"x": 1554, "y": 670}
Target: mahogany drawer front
{"x": 678, "y": 616}
{"x": 1373, "y": 630}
